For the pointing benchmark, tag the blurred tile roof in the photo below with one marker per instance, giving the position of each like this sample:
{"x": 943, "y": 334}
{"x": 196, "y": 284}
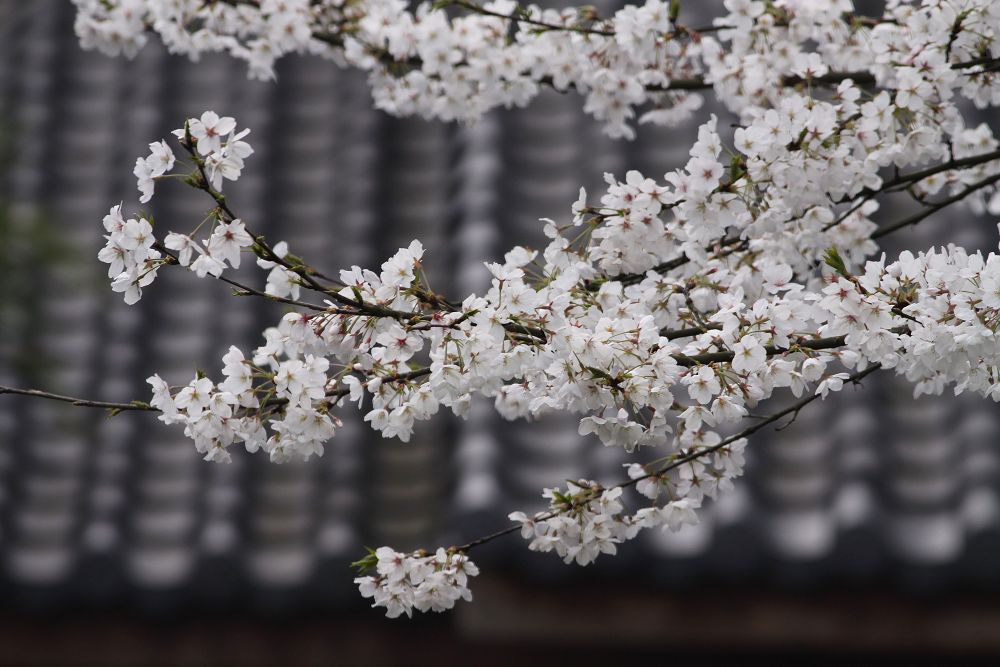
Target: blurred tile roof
{"x": 875, "y": 490}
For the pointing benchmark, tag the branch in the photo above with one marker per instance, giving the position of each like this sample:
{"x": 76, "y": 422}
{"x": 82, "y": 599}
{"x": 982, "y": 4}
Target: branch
{"x": 115, "y": 408}
{"x": 916, "y": 176}
{"x": 334, "y": 396}
{"x": 674, "y": 334}
{"x": 687, "y": 458}
{"x": 829, "y": 79}
{"x": 203, "y": 183}
{"x": 520, "y": 17}
{"x": 794, "y": 408}
{"x": 930, "y": 210}
{"x": 715, "y": 357}
{"x": 304, "y": 271}
{"x": 240, "y": 288}
{"x": 80, "y": 402}
{"x": 732, "y": 243}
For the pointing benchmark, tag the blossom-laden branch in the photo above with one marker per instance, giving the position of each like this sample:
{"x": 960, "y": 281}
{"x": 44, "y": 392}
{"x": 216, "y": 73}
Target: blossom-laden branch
{"x": 931, "y": 209}
{"x": 660, "y": 313}
{"x": 550, "y": 336}
{"x": 425, "y": 62}
{"x": 581, "y": 523}
{"x": 603, "y": 299}
{"x": 589, "y": 519}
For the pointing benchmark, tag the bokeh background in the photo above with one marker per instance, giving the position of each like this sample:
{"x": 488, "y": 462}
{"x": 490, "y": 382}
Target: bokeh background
{"x": 869, "y": 528}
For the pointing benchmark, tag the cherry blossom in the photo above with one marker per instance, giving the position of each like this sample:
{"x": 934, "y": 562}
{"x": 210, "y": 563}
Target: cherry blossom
{"x": 404, "y": 582}
{"x": 664, "y": 310}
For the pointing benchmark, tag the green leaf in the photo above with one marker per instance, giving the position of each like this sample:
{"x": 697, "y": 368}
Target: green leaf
{"x": 736, "y": 168}
{"x": 833, "y": 259}
{"x": 367, "y": 563}
{"x": 598, "y": 373}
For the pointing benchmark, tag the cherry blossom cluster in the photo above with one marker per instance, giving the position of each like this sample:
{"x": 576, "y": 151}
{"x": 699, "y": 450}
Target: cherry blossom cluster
{"x": 132, "y": 261}
{"x": 218, "y": 152}
{"x": 467, "y": 65}
{"x": 221, "y": 145}
{"x": 589, "y": 338}
{"x": 660, "y": 316}
{"x": 660, "y": 312}
{"x": 404, "y": 582}
{"x": 449, "y": 66}
{"x": 949, "y": 302}
{"x": 424, "y": 61}
{"x": 587, "y": 520}
{"x": 214, "y": 416}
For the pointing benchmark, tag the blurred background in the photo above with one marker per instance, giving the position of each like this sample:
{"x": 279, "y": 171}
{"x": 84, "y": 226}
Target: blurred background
{"x": 869, "y": 528}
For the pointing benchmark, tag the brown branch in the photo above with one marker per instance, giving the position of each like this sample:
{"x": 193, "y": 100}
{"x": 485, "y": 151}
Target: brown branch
{"x": 697, "y": 83}
{"x": 930, "y": 210}
{"x": 677, "y": 462}
{"x": 304, "y": 271}
{"x": 917, "y": 176}
{"x": 523, "y": 18}
{"x": 203, "y": 183}
{"x": 727, "y": 356}
{"x": 770, "y": 419}
{"x": 334, "y": 396}
{"x": 145, "y": 407}
{"x": 865, "y": 195}
{"x": 80, "y": 402}
{"x": 674, "y": 334}
{"x": 240, "y": 288}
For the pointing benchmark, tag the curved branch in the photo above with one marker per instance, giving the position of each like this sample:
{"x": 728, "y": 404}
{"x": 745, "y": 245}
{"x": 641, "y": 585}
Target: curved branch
{"x": 934, "y": 208}
{"x": 829, "y": 343}
{"x": 794, "y": 408}
{"x": 523, "y": 18}
{"x": 863, "y": 196}
{"x": 686, "y": 458}
{"x": 961, "y": 163}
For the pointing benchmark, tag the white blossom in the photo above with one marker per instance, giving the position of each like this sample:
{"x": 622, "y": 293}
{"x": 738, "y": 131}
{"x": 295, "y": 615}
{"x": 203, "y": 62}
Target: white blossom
{"x": 662, "y": 310}
{"x": 404, "y": 582}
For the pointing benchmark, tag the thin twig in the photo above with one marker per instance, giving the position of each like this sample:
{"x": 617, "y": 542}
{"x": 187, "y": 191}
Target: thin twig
{"x": 677, "y": 462}
{"x": 80, "y": 402}
{"x": 865, "y": 195}
{"x": 960, "y": 163}
{"x": 930, "y": 210}
{"x": 522, "y": 18}
{"x": 794, "y": 408}
{"x": 332, "y": 396}
{"x": 240, "y": 288}
{"x": 204, "y": 184}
